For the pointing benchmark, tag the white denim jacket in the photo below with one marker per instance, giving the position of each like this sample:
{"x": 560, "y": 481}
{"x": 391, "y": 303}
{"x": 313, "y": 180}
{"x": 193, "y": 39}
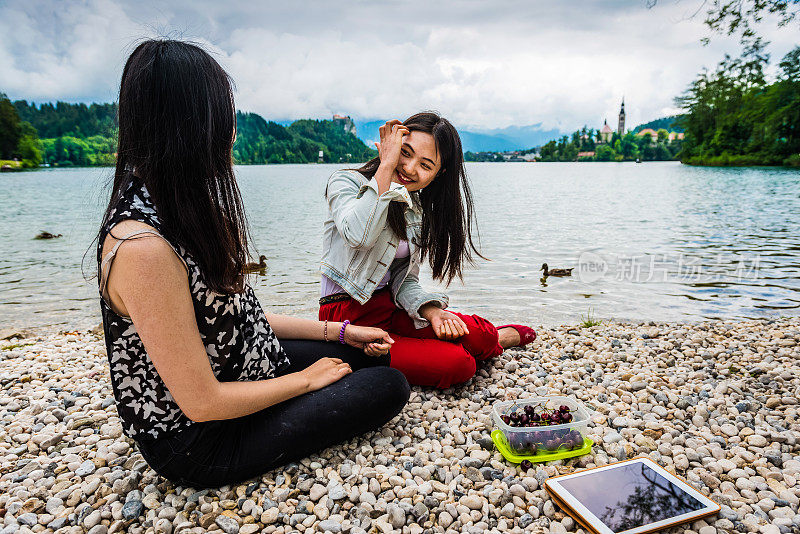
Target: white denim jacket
{"x": 359, "y": 247}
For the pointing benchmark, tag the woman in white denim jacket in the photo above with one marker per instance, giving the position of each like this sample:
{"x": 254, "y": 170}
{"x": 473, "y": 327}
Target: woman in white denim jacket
{"x": 411, "y": 202}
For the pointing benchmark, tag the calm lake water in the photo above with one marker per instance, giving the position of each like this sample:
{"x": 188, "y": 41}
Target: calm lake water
{"x": 655, "y": 241}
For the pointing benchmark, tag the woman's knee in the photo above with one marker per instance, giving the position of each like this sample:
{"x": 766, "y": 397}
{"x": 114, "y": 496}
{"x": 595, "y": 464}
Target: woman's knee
{"x": 457, "y": 367}
{"x": 482, "y": 343}
{"x": 392, "y": 389}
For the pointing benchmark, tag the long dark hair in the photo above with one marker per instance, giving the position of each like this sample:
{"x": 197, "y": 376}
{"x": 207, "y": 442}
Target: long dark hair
{"x": 447, "y": 208}
{"x": 176, "y": 129}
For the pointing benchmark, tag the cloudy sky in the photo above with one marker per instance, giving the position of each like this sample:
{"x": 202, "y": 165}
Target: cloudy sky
{"x": 482, "y": 63}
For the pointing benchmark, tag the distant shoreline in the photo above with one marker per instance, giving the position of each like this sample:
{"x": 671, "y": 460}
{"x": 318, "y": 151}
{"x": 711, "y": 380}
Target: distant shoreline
{"x": 792, "y": 165}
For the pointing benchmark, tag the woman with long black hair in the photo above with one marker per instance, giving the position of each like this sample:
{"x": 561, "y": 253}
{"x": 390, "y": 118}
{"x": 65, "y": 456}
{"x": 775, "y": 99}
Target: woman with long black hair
{"x": 211, "y": 388}
{"x": 411, "y": 202}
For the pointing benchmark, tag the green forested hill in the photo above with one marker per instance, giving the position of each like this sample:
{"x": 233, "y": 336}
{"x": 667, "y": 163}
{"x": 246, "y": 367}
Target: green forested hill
{"x": 77, "y": 120}
{"x": 261, "y": 141}
{"x": 85, "y": 135}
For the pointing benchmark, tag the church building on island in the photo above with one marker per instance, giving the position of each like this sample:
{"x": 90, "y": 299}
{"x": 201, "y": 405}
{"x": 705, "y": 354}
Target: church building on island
{"x": 606, "y": 133}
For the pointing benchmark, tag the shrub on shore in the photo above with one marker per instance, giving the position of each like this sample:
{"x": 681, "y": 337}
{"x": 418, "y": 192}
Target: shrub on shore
{"x": 18, "y": 139}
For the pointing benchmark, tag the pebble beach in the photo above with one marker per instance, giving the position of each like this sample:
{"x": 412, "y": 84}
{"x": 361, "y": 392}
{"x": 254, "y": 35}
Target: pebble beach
{"x": 714, "y": 402}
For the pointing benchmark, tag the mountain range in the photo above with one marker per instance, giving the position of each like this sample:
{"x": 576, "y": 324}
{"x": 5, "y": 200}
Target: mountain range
{"x": 478, "y": 140}
{"x": 504, "y": 139}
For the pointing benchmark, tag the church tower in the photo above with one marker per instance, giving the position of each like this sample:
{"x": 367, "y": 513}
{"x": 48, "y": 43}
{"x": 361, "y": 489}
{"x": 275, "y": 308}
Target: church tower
{"x": 621, "y": 125}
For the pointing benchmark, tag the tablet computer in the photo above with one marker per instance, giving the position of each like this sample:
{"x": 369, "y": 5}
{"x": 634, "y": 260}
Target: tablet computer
{"x": 631, "y": 497}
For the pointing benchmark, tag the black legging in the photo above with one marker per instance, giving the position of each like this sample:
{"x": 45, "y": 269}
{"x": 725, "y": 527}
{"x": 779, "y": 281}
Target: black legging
{"x": 216, "y": 453}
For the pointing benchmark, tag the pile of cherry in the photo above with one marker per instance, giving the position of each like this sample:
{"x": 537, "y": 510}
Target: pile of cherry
{"x": 541, "y": 440}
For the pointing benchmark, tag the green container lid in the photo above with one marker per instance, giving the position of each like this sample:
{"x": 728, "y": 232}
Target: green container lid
{"x": 502, "y": 446}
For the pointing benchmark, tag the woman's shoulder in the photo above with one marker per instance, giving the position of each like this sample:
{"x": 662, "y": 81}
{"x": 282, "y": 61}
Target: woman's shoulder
{"x": 134, "y": 254}
{"x": 348, "y": 175}
{"x": 143, "y": 242}
{"x": 345, "y": 183}
{"x": 120, "y": 231}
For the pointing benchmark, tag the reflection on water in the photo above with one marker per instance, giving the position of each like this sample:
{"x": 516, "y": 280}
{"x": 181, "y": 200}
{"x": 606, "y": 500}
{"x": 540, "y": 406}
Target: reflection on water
{"x": 658, "y": 241}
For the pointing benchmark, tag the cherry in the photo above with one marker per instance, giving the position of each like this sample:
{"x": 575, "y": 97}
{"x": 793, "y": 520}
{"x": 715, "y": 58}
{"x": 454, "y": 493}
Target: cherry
{"x": 564, "y": 409}
{"x": 525, "y": 465}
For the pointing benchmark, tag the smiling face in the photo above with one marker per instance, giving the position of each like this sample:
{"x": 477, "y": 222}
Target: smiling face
{"x": 419, "y": 161}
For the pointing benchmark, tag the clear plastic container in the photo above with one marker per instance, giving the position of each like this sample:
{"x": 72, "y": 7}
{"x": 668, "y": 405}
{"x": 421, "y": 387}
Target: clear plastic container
{"x": 543, "y": 439}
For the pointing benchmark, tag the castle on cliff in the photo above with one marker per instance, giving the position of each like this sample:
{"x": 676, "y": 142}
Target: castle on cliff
{"x": 345, "y": 122}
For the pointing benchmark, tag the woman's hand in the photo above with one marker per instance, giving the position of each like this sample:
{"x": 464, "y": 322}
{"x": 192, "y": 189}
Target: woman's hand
{"x": 446, "y": 325}
{"x": 373, "y": 341}
{"x": 325, "y": 372}
{"x": 391, "y": 140}
{"x": 376, "y": 350}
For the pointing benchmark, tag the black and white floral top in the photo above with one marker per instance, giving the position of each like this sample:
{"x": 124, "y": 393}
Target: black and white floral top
{"x": 238, "y": 339}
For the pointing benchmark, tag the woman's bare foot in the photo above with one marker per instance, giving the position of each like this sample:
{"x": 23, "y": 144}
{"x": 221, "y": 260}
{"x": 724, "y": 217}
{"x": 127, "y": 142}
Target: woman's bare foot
{"x": 508, "y": 337}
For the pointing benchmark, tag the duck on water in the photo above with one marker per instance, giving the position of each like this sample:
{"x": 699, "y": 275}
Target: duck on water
{"x": 256, "y": 267}
{"x": 556, "y": 272}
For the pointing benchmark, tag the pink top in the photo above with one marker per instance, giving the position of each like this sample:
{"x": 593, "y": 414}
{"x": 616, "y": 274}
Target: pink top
{"x": 329, "y": 287}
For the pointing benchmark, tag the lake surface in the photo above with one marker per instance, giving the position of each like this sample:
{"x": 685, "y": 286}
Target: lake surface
{"x": 654, "y": 241}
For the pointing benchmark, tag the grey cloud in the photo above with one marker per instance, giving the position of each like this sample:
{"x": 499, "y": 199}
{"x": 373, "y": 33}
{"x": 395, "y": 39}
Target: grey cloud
{"x": 482, "y": 64}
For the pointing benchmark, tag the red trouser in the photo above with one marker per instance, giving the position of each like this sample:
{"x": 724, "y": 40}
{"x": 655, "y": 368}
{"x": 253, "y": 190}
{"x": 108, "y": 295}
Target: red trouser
{"x": 418, "y": 353}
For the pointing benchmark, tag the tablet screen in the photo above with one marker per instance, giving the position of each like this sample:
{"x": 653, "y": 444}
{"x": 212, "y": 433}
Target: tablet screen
{"x": 630, "y": 496}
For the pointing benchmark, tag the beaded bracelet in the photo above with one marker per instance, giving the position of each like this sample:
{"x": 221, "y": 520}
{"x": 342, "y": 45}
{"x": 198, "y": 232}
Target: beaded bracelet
{"x": 341, "y": 332}
{"x": 325, "y": 332}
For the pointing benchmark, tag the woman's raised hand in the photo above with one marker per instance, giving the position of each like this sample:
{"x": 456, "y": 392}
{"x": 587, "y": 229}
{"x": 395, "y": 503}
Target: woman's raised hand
{"x": 325, "y": 372}
{"x": 391, "y": 140}
{"x": 446, "y": 325}
{"x": 373, "y": 341}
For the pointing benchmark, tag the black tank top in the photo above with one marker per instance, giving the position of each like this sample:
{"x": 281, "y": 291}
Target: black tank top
{"x": 238, "y": 339}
